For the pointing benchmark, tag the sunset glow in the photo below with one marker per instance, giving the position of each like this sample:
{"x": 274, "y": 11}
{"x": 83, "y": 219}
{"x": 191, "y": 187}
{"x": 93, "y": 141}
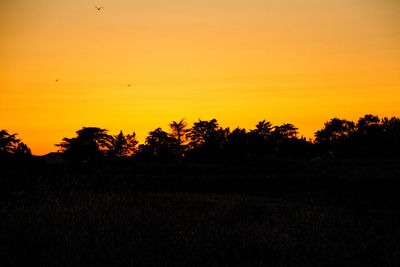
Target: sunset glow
{"x": 239, "y": 61}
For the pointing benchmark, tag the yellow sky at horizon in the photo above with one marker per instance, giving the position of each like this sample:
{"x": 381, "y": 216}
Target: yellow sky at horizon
{"x": 240, "y": 62}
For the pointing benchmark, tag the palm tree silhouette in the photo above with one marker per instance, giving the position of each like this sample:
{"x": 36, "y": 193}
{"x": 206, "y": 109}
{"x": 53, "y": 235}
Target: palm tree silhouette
{"x": 178, "y": 130}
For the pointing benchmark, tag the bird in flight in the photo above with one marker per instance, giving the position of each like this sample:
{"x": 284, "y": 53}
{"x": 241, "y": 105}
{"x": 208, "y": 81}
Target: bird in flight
{"x": 129, "y": 85}
{"x": 56, "y": 80}
{"x": 98, "y": 8}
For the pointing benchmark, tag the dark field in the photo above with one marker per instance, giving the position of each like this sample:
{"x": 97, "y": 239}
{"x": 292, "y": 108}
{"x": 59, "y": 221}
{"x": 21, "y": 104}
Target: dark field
{"x": 272, "y": 212}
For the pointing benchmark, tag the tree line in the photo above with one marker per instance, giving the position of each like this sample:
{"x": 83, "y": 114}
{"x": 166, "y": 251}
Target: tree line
{"x": 11, "y": 145}
{"x": 207, "y": 140}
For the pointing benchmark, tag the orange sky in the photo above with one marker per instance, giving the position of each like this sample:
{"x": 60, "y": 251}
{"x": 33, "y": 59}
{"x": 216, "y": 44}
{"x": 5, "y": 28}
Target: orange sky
{"x": 239, "y": 61}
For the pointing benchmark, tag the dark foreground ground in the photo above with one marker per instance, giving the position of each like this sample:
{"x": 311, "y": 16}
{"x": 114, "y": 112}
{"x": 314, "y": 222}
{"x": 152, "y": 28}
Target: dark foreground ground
{"x": 267, "y": 213}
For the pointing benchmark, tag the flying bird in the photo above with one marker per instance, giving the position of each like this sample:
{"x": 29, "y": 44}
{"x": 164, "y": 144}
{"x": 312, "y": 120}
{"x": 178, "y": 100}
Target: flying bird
{"x": 129, "y": 85}
{"x": 98, "y": 8}
{"x": 56, "y": 80}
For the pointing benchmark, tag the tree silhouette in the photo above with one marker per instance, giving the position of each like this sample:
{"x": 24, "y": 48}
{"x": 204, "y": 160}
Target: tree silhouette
{"x": 391, "y": 128}
{"x": 285, "y": 132}
{"x": 159, "y": 145}
{"x": 122, "y": 146}
{"x": 260, "y": 139}
{"x": 207, "y": 139}
{"x": 237, "y": 144}
{"x": 391, "y": 125}
{"x": 22, "y": 150}
{"x": 391, "y": 135}
{"x": 368, "y": 134}
{"x": 202, "y": 132}
{"x": 9, "y": 144}
{"x": 179, "y": 130}
{"x": 263, "y": 128}
{"x": 366, "y": 122}
{"x": 335, "y": 130}
{"x": 91, "y": 143}
{"x": 338, "y": 136}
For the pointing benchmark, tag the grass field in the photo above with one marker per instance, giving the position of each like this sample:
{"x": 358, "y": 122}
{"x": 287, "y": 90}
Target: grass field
{"x": 280, "y": 213}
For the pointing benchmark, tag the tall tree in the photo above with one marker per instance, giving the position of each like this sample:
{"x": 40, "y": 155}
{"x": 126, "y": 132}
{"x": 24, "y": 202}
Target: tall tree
{"x": 91, "y": 143}
{"x": 391, "y": 134}
{"x": 22, "y": 150}
{"x": 207, "y": 139}
{"x": 237, "y": 145}
{"x": 263, "y": 128}
{"x": 8, "y": 142}
{"x": 391, "y": 127}
{"x": 122, "y": 146}
{"x": 203, "y": 132}
{"x": 159, "y": 144}
{"x": 285, "y": 131}
{"x": 179, "y": 130}
{"x": 367, "y": 121}
{"x": 335, "y": 130}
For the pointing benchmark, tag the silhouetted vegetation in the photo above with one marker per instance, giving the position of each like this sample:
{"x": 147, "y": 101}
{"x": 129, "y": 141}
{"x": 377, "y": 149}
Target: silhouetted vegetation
{"x": 207, "y": 141}
{"x": 205, "y": 195}
{"x": 370, "y": 136}
{"x": 12, "y": 148}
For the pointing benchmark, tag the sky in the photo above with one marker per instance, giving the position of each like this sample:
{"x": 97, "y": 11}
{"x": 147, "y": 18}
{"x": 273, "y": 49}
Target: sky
{"x": 239, "y": 61}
